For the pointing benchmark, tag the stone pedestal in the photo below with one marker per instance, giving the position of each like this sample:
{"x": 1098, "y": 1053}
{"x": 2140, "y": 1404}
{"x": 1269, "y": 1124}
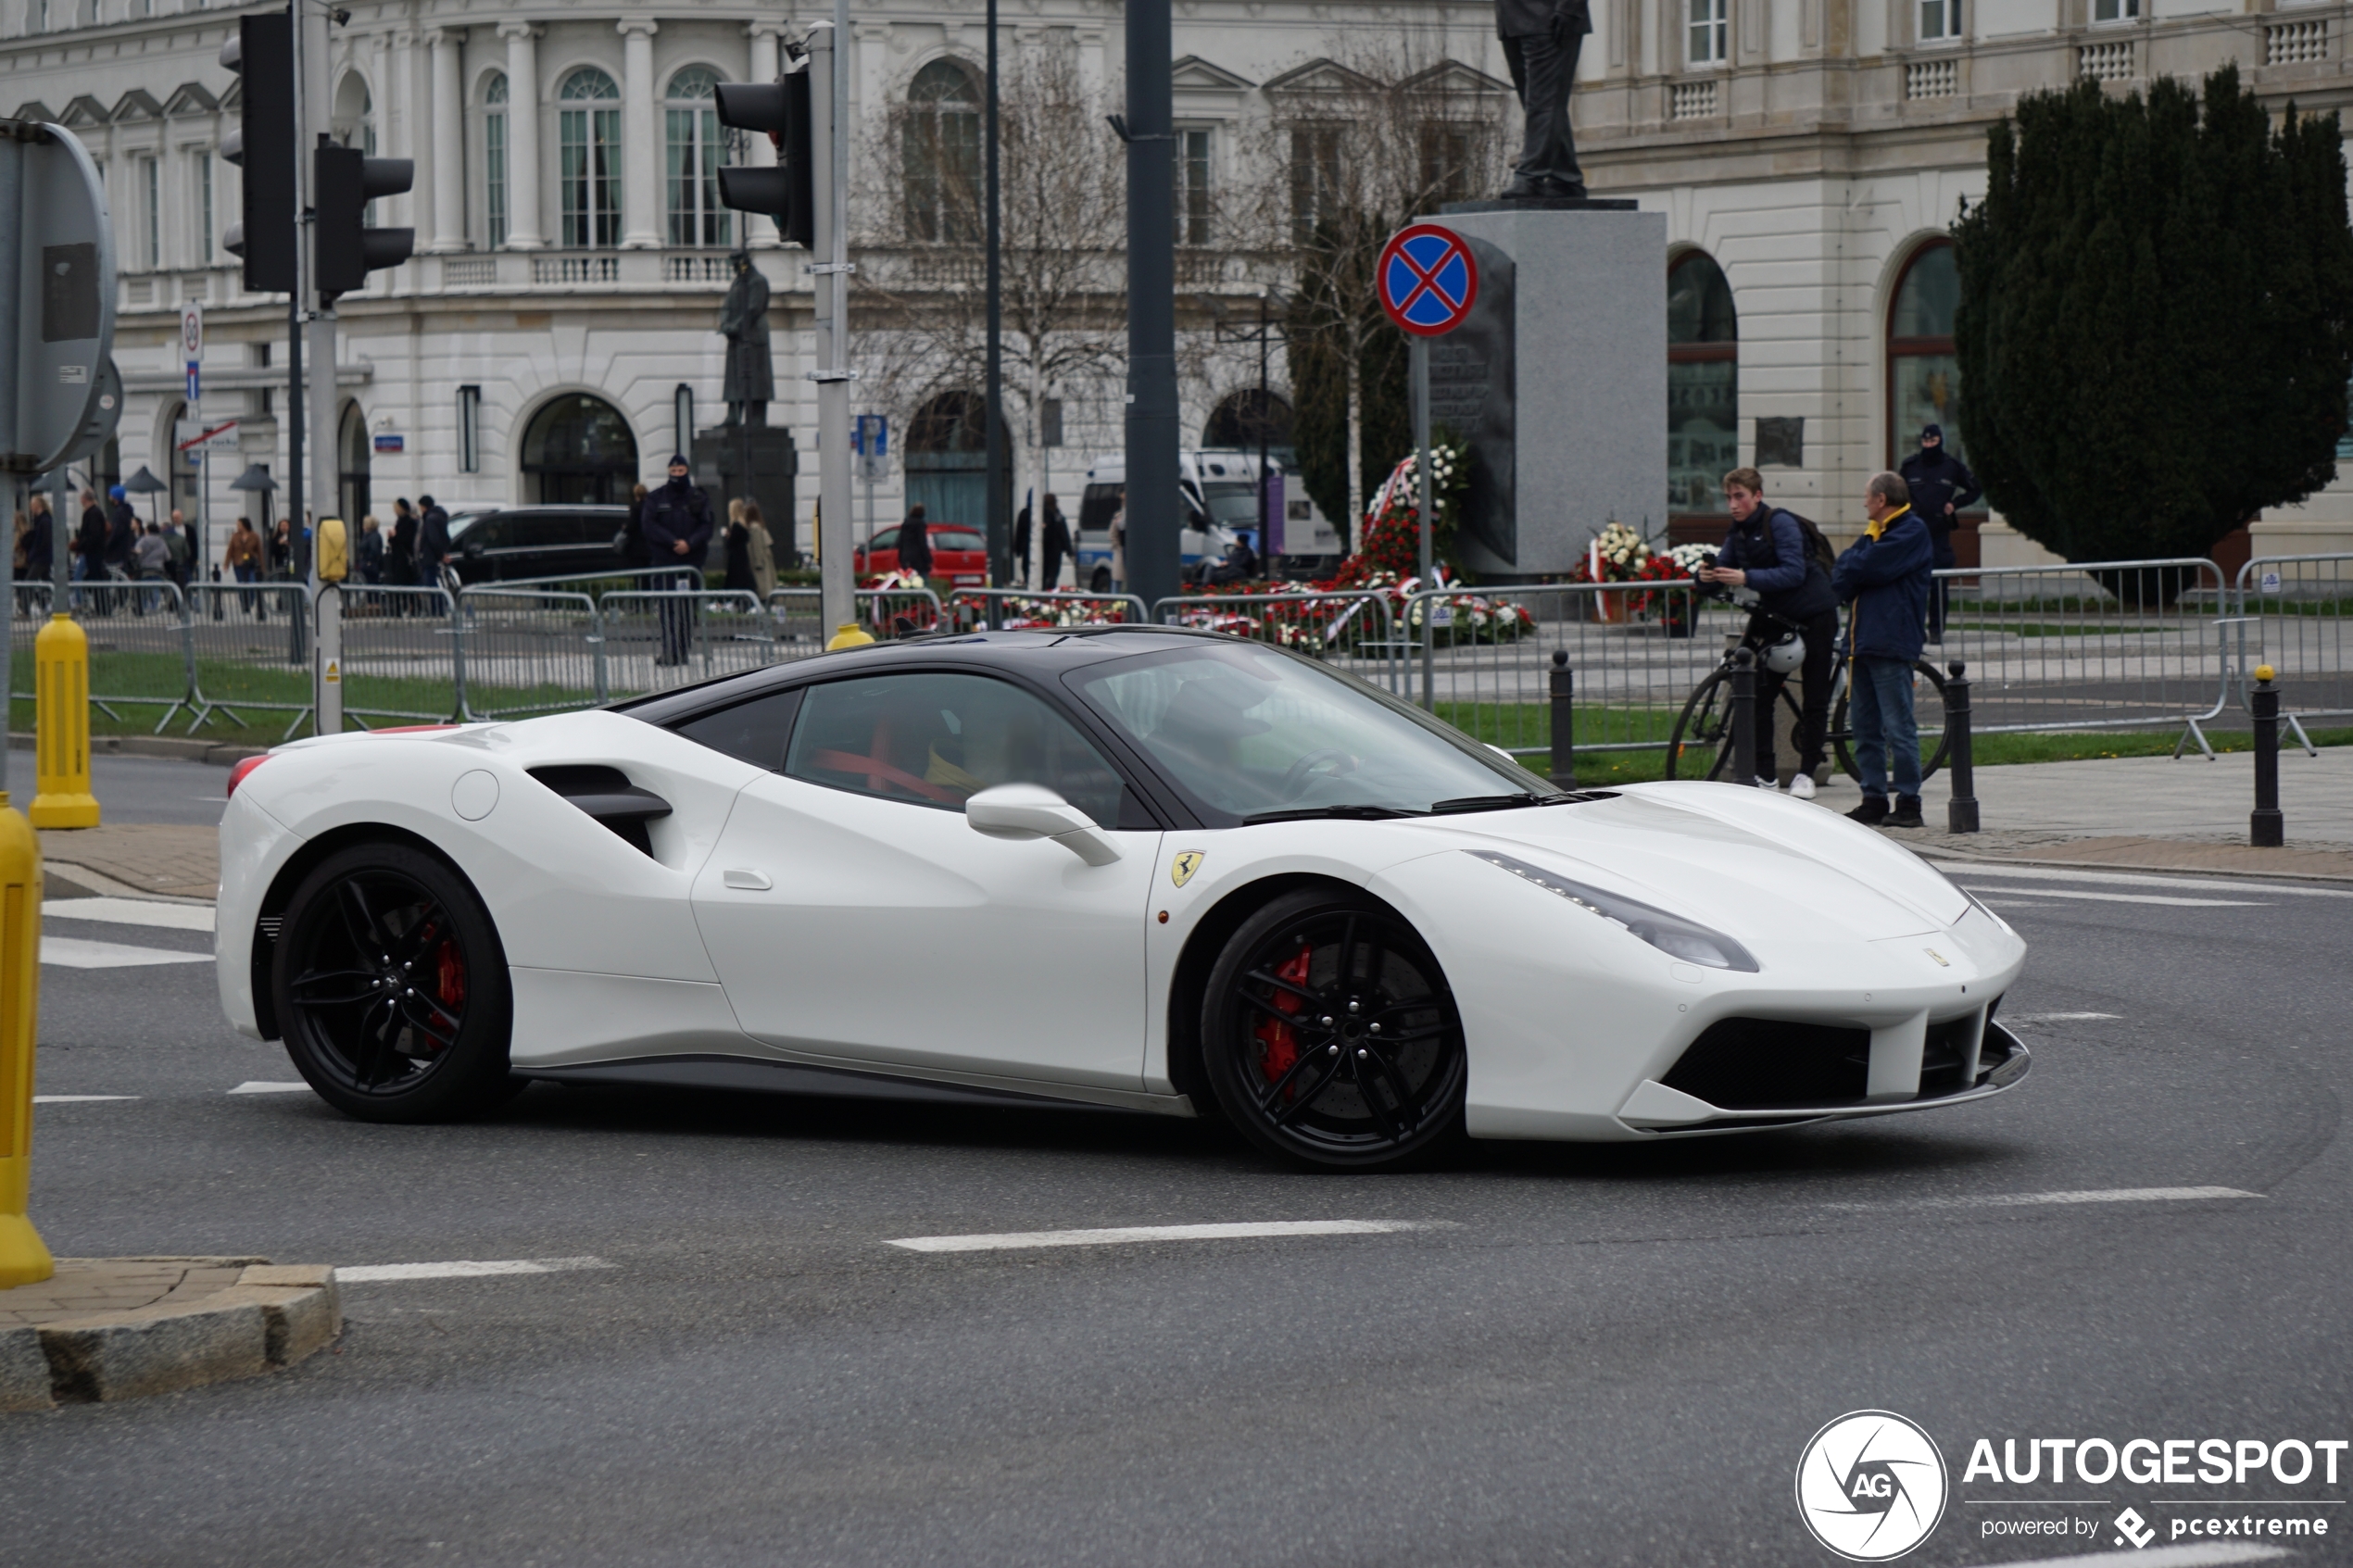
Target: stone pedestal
{"x": 1558, "y": 381}
{"x": 756, "y": 462}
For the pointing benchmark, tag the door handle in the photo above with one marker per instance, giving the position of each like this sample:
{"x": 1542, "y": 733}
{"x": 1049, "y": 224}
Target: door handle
{"x": 748, "y": 880}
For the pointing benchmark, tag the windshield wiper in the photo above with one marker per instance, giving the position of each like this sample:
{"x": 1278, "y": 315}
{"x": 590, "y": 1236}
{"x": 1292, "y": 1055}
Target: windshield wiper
{"x": 1303, "y": 813}
{"x": 1510, "y": 802}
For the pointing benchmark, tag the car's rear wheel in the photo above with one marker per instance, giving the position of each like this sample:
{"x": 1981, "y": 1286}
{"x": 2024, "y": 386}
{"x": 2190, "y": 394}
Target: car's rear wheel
{"x": 392, "y": 989}
{"x": 1329, "y": 1037}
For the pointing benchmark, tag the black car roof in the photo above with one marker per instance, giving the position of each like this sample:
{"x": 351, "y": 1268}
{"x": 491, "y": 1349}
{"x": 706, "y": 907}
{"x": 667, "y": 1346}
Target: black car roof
{"x": 1035, "y": 652}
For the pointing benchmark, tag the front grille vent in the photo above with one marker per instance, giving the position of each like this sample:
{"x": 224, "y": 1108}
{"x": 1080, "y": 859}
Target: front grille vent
{"x": 1770, "y": 1063}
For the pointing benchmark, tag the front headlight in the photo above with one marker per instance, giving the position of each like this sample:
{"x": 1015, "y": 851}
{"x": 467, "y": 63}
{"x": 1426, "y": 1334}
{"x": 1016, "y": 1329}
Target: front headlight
{"x": 1671, "y": 934}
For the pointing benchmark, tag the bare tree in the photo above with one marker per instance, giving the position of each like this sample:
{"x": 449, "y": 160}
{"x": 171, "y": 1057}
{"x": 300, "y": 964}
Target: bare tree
{"x": 919, "y": 302}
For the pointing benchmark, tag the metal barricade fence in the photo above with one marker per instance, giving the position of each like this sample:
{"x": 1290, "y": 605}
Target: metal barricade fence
{"x": 520, "y": 651}
{"x": 885, "y": 614}
{"x": 138, "y": 651}
{"x": 2294, "y": 613}
{"x": 970, "y": 610}
{"x": 399, "y": 653}
{"x": 652, "y": 642}
{"x": 250, "y": 653}
{"x": 1482, "y": 658}
{"x": 1352, "y": 629}
{"x": 596, "y": 585}
{"x": 2089, "y": 646}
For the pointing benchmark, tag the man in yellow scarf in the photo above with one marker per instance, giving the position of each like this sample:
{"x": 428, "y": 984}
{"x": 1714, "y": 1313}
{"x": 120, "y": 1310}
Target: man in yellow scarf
{"x": 1885, "y": 576}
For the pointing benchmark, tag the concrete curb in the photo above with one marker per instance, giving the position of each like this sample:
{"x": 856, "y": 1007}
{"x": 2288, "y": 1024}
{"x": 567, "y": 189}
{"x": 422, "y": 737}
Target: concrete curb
{"x": 187, "y": 748}
{"x": 2133, "y": 867}
{"x": 271, "y": 1317}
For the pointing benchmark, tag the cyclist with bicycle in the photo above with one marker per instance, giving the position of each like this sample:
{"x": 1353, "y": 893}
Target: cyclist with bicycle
{"x": 1885, "y": 576}
{"x": 1768, "y": 551}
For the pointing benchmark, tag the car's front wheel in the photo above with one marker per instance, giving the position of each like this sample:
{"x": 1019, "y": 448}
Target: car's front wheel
{"x": 392, "y": 988}
{"x": 1329, "y": 1037}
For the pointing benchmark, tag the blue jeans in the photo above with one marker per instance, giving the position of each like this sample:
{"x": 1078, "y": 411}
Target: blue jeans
{"x": 1879, "y": 704}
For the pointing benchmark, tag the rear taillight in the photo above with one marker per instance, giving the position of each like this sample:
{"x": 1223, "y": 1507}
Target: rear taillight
{"x": 237, "y": 774}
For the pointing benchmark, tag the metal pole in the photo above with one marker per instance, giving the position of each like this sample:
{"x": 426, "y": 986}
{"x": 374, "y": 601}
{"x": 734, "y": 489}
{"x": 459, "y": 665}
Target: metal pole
{"x": 1000, "y": 532}
{"x": 837, "y": 530}
{"x": 2266, "y": 828}
{"x": 1265, "y": 523}
{"x": 1745, "y": 716}
{"x": 1417, "y": 357}
{"x": 1152, "y": 519}
{"x": 1564, "y": 720}
{"x": 1960, "y": 812}
{"x": 326, "y": 487}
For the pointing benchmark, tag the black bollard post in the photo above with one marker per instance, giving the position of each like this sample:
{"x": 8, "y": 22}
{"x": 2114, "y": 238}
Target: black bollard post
{"x": 1960, "y": 812}
{"x": 1745, "y": 715}
{"x": 1564, "y": 721}
{"x": 2265, "y": 829}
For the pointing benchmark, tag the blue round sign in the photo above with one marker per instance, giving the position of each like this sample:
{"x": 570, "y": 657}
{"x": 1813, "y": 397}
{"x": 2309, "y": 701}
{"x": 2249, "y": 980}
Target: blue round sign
{"x": 1429, "y": 281}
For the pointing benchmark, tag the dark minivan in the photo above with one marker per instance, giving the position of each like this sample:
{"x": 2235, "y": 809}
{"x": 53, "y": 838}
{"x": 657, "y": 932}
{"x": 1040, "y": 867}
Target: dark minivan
{"x": 517, "y": 542}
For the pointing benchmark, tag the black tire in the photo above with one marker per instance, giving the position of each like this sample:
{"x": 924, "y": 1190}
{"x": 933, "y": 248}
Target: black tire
{"x": 391, "y": 987}
{"x": 1842, "y": 736}
{"x": 1320, "y": 1085}
{"x": 1701, "y": 745}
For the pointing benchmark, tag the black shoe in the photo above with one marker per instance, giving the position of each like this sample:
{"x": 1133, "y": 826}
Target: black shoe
{"x": 1906, "y": 813}
{"x": 1522, "y": 188}
{"x": 1567, "y": 190}
{"x": 1872, "y": 812}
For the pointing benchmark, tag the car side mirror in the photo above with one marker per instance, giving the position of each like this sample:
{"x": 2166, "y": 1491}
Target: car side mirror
{"x": 1029, "y": 810}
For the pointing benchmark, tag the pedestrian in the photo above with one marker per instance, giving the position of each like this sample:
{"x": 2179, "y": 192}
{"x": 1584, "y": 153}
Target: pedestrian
{"x": 1021, "y": 549}
{"x": 1941, "y": 486}
{"x": 17, "y": 562}
{"x": 1772, "y": 552}
{"x": 243, "y": 558}
{"x": 631, "y": 541}
{"x": 151, "y": 559}
{"x": 914, "y": 541}
{"x": 371, "y": 551}
{"x": 432, "y": 542}
{"x": 1118, "y": 531}
{"x": 739, "y": 578}
{"x": 124, "y": 535}
{"x": 677, "y": 529}
{"x": 89, "y": 545}
{"x": 400, "y": 549}
{"x": 763, "y": 552}
{"x": 280, "y": 562}
{"x": 41, "y": 541}
{"x": 1058, "y": 546}
{"x": 176, "y": 539}
{"x": 1884, "y": 575}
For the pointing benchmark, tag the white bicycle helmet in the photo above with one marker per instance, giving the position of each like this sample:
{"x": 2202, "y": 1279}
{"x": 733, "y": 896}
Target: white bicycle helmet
{"x": 1786, "y": 657}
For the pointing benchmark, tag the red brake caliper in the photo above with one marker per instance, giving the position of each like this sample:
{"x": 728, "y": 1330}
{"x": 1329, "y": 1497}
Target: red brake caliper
{"x": 450, "y": 976}
{"x": 1281, "y": 1045}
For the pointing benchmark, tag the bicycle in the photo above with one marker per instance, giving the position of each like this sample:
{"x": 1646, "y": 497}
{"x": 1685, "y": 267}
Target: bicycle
{"x": 1704, "y": 727}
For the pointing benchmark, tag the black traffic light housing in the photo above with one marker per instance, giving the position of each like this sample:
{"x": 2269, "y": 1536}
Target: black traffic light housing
{"x": 344, "y": 182}
{"x": 779, "y": 110}
{"x": 262, "y": 53}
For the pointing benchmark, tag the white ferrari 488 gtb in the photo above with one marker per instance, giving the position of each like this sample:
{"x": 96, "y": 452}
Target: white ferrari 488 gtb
{"x": 1132, "y": 867}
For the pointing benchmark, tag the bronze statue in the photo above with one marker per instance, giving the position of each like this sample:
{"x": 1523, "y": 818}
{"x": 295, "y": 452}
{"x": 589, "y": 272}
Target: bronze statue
{"x": 752, "y": 376}
{"x": 1540, "y": 41}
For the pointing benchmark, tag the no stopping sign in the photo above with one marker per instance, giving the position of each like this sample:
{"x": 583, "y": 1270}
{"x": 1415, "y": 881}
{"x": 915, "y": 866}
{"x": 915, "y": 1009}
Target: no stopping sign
{"x": 1427, "y": 279}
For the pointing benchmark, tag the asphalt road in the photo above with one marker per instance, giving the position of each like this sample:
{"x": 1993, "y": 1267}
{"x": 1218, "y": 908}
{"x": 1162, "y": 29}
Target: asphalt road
{"x": 139, "y": 789}
{"x": 1590, "y": 1356}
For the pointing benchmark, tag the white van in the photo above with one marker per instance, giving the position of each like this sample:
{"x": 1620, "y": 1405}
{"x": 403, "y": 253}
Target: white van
{"x": 1219, "y": 491}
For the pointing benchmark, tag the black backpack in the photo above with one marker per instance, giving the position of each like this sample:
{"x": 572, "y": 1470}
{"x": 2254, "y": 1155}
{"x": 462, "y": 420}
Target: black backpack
{"x": 1818, "y": 547}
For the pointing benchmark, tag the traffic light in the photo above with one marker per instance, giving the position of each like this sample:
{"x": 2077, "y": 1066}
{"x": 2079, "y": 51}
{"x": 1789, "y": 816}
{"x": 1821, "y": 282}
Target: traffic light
{"x": 262, "y": 53}
{"x": 344, "y": 182}
{"x": 779, "y": 110}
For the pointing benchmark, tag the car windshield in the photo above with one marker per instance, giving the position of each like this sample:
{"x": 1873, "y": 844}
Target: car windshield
{"x": 1235, "y": 505}
{"x": 1251, "y": 732}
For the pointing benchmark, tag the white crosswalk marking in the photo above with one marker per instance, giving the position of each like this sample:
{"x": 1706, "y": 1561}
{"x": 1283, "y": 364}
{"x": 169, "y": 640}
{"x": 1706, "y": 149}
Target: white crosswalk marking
{"x": 2019, "y": 897}
{"x": 75, "y": 952}
{"x": 1966, "y": 870}
{"x": 465, "y": 1268}
{"x": 1154, "y": 1233}
{"x": 2028, "y": 1199}
{"x": 131, "y": 911}
{"x": 76, "y": 1099}
{"x": 267, "y": 1087}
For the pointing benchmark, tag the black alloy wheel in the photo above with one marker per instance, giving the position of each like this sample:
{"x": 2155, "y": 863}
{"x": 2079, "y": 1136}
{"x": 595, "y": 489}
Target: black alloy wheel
{"x": 1329, "y": 1037}
{"x": 392, "y": 988}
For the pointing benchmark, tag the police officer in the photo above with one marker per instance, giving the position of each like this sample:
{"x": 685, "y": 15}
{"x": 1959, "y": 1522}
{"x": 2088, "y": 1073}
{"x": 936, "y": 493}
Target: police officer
{"x": 678, "y": 527}
{"x": 1765, "y": 551}
{"x": 1941, "y": 486}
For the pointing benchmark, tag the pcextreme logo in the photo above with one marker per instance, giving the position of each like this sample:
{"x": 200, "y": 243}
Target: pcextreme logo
{"x": 1871, "y": 1485}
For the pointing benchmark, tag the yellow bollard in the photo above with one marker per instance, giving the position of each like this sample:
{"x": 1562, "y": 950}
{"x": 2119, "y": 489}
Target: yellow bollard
{"x": 24, "y": 1259}
{"x": 61, "y": 680}
{"x": 850, "y": 635}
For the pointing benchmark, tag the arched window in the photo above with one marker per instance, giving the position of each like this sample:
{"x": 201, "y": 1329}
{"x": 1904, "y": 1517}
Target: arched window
{"x": 1702, "y": 386}
{"x": 352, "y": 445}
{"x": 589, "y": 130}
{"x": 696, "y": 217}
{"x": 494, "y": 160}
{"x": 940, "y": 148}
{"x": 947, "y": 459}
{"x": 579, "y": 451}
{"x": 1923, "y": 375}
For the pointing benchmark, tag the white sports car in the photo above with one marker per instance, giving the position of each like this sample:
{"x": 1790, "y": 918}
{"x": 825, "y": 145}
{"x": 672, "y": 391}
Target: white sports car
{"x": 1133, "y": 867}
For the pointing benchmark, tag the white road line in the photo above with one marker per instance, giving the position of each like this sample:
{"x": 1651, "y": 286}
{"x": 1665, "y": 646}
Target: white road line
{"x": 2200, "y": 1555}
{"x": 75, "y": 952}
{"x": 265, "y": 1086}
{"x": 2054, "y": 1017}
{"x": 75, "y": 1099}
{"x": 131, "y": 911}
{"x": 1961, "y": 869}
{"x": 465, "y": 1268}
{"x": 1155, "y": 1233}
{"x": 2124, "y": 898}
{"x": 2024, "y": 1200}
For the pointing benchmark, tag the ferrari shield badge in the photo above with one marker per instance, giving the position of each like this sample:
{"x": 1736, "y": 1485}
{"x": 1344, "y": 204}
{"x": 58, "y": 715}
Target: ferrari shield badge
{"x": 1181, "y": 870}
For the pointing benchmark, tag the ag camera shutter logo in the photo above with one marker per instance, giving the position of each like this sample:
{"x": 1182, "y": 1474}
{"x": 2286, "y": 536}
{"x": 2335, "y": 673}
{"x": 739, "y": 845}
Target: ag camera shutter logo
{"x": 1871, "y": 1486}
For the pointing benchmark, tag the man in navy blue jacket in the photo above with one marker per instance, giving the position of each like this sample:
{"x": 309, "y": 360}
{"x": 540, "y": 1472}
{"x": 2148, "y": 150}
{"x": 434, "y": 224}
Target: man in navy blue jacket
{"x": 1765, "y": 551}
{"x": 1885, "y": 576}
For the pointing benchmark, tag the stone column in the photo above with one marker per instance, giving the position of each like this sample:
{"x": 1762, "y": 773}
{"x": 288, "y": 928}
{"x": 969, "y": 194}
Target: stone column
{"x": 641, "y": 164}
{"x": 523, "y": 137}
{"x": 448, "y": 171}
{"x": 760, "y": 231}
{"x": 400, "y": 102}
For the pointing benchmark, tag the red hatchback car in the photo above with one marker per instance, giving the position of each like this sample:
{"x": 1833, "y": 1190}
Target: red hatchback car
{"x": 958, "y": 554}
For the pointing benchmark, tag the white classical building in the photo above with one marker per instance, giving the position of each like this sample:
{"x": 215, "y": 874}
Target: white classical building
{"x": 554, "y": 338}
